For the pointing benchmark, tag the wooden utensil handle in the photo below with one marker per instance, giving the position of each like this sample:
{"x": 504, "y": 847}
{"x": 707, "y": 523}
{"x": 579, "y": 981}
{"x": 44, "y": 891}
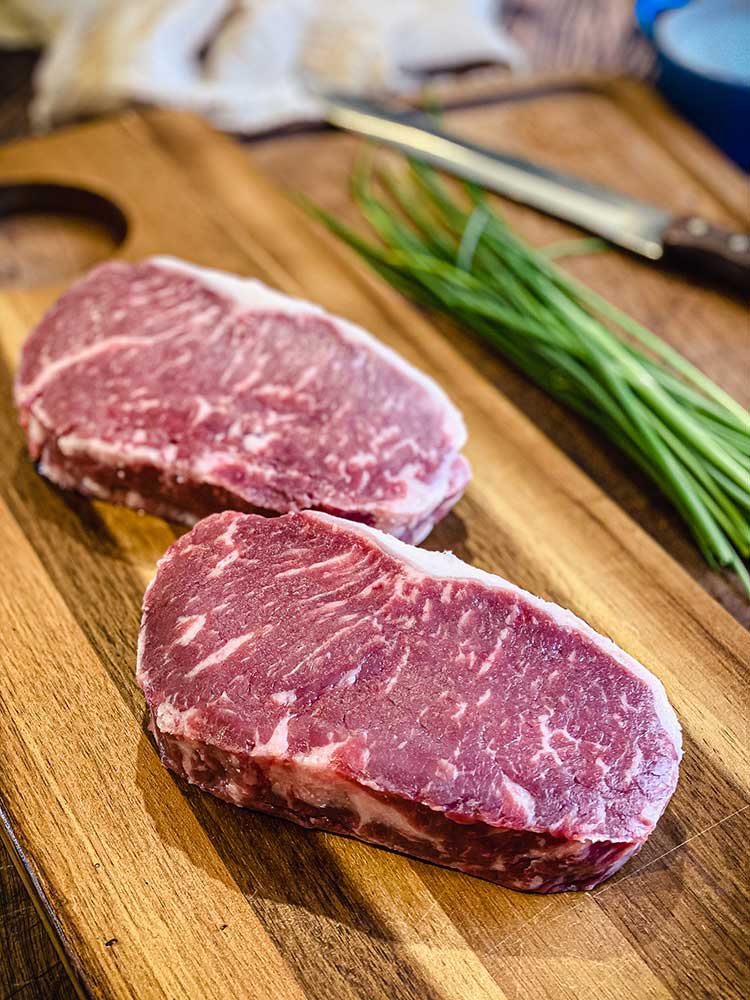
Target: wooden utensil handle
{"x": 691, "y": 242}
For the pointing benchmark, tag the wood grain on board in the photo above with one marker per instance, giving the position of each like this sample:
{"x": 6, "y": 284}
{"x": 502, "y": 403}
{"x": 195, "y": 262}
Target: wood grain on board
{"x": 155, "y": 889}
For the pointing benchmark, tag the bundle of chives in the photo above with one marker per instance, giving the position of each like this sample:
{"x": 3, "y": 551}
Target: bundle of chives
{"x": 455, "y": 254}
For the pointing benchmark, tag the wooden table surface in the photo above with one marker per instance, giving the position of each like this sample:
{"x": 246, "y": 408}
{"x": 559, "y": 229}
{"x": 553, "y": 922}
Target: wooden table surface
{"x": 584, "y": 34}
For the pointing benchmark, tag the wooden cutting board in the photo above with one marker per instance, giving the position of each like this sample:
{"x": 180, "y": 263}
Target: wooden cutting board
{"x": 156, "y": 890}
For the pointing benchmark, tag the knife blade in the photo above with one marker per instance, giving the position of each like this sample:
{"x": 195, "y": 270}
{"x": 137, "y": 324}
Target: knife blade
{"x": 690, "y": 242}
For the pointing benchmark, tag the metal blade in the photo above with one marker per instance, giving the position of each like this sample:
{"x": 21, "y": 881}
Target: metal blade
{"x": 629, "y": 223}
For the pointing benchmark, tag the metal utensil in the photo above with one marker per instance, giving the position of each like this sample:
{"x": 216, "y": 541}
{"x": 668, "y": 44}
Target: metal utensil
{"x": 690, "y": 243}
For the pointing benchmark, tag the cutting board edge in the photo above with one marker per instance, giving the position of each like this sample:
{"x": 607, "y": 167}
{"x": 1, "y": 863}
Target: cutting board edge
{"x": 44, "y": 909}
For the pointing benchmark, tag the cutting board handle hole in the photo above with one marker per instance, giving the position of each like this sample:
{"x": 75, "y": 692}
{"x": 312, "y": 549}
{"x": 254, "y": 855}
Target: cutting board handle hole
{"x": 51, "y": 232}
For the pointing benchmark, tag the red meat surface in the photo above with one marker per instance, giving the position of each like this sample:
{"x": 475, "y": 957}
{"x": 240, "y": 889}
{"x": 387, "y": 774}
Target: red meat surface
{"x": 328, "y": 673}
{"x": 181, "y": 391}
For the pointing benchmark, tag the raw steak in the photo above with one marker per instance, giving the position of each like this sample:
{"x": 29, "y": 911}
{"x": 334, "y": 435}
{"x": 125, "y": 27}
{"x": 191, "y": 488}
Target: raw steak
{"x": 181, "y": 391}
{"x": 325, "y": 672}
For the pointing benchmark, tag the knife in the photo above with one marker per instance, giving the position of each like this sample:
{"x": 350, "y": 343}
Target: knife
{"x": 689, "y": 243}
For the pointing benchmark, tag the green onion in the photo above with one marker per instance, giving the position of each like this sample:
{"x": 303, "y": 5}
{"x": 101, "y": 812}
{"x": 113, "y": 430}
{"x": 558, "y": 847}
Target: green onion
{"x": 454, "y": 253}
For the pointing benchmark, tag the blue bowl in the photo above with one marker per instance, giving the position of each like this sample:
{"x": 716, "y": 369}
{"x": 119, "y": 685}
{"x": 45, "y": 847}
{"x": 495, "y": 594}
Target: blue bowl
{"x": 703, "y": 51}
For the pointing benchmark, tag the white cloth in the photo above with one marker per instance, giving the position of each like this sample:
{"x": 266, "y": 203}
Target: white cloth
{"x": 248, "y": 65}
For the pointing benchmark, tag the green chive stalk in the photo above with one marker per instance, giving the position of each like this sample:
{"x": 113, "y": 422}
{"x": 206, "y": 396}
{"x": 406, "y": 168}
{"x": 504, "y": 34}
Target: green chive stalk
{"x": 452, "y": 252}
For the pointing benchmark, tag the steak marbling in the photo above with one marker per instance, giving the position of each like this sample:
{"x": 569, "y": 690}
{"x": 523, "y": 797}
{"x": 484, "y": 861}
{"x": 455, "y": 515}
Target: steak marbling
{"x": 325, "y": 672}
{"x": 181, "y": 391}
